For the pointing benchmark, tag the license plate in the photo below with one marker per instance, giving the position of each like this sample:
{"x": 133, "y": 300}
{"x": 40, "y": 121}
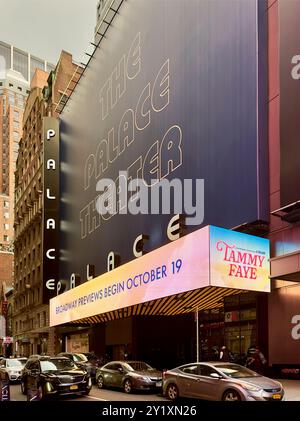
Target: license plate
{"x": 74, "y": 387}
{"x": 276, "y": 396}
{"x": 158, "y": 384}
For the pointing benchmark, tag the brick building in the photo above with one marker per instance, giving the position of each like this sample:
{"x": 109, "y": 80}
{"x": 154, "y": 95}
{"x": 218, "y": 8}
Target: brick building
{"x": 30, "y": 319}
{"x": 16, "y": 70}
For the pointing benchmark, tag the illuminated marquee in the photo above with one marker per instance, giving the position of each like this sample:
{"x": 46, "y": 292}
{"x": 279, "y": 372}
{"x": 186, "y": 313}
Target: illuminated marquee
{"x": 191, "y": 262}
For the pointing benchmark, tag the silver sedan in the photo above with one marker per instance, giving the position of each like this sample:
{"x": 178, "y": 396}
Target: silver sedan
{"x": 219, "y": 381}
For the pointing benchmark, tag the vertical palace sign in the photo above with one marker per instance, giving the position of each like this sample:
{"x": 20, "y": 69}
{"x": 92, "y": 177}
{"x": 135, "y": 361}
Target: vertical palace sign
{"x": 50, "y": 207}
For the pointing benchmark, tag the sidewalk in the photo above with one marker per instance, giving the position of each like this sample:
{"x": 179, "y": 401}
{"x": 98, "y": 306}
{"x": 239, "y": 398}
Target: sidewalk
{"x": 292, "y": 389}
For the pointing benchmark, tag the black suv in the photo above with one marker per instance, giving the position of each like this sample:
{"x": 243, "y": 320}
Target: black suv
{"x": 81, "y": 361}
{"x": 54, "y": 376}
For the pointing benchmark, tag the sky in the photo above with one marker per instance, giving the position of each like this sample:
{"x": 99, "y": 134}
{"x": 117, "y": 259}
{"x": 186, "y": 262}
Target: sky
{"x": 45, "y": 27}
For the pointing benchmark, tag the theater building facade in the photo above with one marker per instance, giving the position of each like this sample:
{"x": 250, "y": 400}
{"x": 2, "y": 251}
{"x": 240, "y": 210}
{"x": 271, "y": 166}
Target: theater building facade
{"x": 193, "y": 104}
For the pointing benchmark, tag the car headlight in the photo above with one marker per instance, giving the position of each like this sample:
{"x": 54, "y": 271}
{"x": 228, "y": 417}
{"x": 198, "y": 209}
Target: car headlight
{"x": 250, "y": 387}
{"x": 49, "y": 386}
{"x": 145, "y": 378}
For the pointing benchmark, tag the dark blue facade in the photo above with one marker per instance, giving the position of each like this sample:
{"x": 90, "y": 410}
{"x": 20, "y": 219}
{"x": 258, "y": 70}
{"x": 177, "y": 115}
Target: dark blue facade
{"x": 212, "y": 56}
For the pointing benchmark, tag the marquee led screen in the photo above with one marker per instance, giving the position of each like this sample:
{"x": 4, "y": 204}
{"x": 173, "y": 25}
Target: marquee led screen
{"x": 210, "y": 256}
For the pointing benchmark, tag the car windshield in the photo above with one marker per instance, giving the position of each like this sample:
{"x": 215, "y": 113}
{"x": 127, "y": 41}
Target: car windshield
{"x": 79, "y": 357}
{"x": 91, "y": 357}
{"x": 23, "y": 361}
{"x": 139, "y": 366}
{"x": 236, "y": 371}
{"x": 14, "y": 363}
{"x": 57, "y": 365}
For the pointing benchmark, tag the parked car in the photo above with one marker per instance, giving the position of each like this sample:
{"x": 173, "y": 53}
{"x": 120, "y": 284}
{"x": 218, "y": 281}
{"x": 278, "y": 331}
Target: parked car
{"x": 128, "y": 375}
{"x": 81, "y": 361}
{"x": 95, "y": 362}
{"x": 37, "y": 356}
{"x": 23, "y": 360}
{"x": 13, "y": 368}
{"x": 219, "y": 381}
{"x": 54, "y": 376}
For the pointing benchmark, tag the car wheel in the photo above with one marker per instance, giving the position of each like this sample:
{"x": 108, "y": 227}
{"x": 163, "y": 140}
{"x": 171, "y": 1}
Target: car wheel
{"x": 127, "y": 386}
{"x": 172, "y": 392}
{"x": 231, "y": 395}
{"x": 100, "y": 382}
{"x": 23, "y": 387}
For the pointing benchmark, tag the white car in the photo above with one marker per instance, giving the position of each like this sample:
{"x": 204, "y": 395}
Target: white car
{"x": 13, "y": 367}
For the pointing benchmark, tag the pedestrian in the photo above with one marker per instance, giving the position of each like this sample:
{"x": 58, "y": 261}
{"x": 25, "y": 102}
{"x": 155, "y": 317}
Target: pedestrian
{"x": 262, "y": 362}
{"x": 257, "y": 361}
{"x": 224, "y": 354}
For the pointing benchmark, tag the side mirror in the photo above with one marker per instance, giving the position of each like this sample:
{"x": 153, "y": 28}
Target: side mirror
{"x": 120, "y": 370}
{"x": 216, "y": 376}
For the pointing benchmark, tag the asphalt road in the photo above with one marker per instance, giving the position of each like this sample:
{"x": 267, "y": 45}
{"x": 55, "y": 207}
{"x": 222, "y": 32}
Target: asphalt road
{"x": 95, "y": 395}
{"x": 292, "y": 393}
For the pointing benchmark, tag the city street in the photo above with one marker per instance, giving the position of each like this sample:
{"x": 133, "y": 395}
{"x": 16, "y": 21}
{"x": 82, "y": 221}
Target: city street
{"x": 96, "y": 394}
{"x": 292, "y": 393}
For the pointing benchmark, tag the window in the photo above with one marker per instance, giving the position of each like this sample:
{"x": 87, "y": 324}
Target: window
{"x": 112, "y": 366}
{"x": 20, "y": 100}
{"x": 56, "y": 365}
{"x": 21, "y": 62}
{"x": 6, "y": 215}
{"x": 237, "y": 371}
{"x": 36, "y": 63}
{"x": 63, "y": 98}
{"x": 13, "y": 363}
{"x": 207, "y": 371}
{"x": 11, "y": 98}
{"x": 10, "y": 85}
{"x": 5, "y": 237}
{"x": 16, "y": 125}
{"x": 34, "y": 365}
{"x": 20, "y": 89}
{"x": 6, "y": 226}
{"x": 16, "y": 115}
{"x": 190, "y": 369}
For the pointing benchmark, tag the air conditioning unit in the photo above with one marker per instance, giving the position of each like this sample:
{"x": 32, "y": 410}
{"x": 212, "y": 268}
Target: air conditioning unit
{"x": 292, "y": 217}
{"x": 289, "y": 213}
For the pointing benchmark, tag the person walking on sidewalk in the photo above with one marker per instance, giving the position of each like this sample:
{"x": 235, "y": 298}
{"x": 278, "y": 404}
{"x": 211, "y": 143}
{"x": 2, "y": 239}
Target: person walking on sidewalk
{"x": 224, "y": 354}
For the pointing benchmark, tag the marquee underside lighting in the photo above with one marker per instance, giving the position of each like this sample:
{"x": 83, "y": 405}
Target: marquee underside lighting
{"x": 187, "y": 302}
